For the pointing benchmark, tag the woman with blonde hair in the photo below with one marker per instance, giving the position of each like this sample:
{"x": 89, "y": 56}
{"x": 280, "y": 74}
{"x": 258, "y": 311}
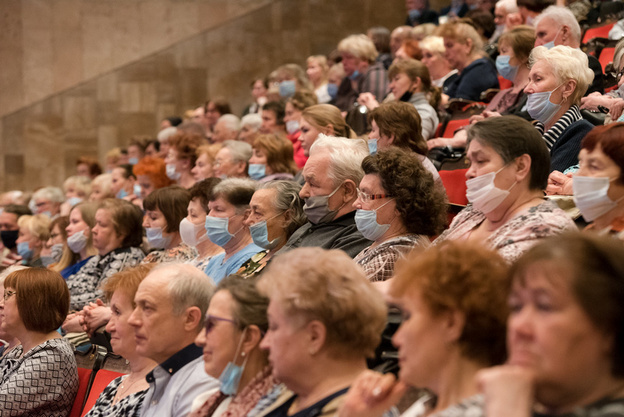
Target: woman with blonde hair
{"x": 322, "y": 118}
{"x": 433, "y": 52}
{"x": 34, "y": 232}
{"x": 272, "y": 159}
{"x": 79, "y": 248}
{"x": 102, "y": 188}
{"x": 206, "y": 155}
{"x": 317, "y": 73}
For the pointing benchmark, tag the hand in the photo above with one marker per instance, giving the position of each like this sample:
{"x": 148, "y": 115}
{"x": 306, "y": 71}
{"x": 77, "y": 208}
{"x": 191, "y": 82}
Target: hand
{"x": 96, "y": 315}
{"x": 559, "y": 184}
{"x": 11, "y": 259}
{"x": 437, "y": 143}
{"x": 368, "y": 100}
{"x": 371, "y": 394}
{"x": 595, "y": 99}
{"x": 73, "y": 323}
{"x": 508, "y": 390}
{"x": 487, "y": 113}
{"x": 616, "y": 109}
{"x": 476, "y": 118}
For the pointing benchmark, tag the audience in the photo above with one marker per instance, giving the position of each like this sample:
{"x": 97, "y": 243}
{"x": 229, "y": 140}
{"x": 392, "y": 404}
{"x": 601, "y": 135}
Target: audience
{"x": 322, "y": 118}
{"x": 433, "y": 56}
{"x": 227, "y": 128}
{"x": 232, "y": 160}
{"x": 250, "y": 128}
{"x": 301, "y": 100}
{"x": 102, "y": 188}
{"x": 9, "y": 231}
{"x": 181, "y": 158}
{"x": 273, "y": 118}
{"x": 317, "y": 74}
{"x": 272, "y": 159}
{"x": 8, "y": 340}
{"x": 48, "y": 201}
{"x": 34, "y": 232}
{"x": 87, "y": 166}
{"x": 79, "y": 248}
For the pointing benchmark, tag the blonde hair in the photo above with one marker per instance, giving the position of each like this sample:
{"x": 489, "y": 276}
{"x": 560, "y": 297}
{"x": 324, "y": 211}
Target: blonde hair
{"x": 87, "y": 212}
{"x": 38, "y": 225}
{"x": 422, "y": 31}
{"x": 566, "y": 63}
{"x": 81, "y": 184}
{"x": 360, "y": 46}
{"x": 105, "y": 182}
{"x": 323, "y": 115}
{"x": 461, "y": 32}
{"x": 433, "y": 44}
{"x": 208, "y": 150}
{"x": 321, "y": 61}
{"x": 326, "y": 285}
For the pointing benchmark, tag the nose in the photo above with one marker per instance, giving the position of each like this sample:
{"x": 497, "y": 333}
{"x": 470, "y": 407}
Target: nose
{"x": 520, "y": 324}
{"x": 357, "y": 204}
{"x": 110, "y": 327}
{"x": 470, "y": 173}
{"x": 133, "y": 320}
{"x": 264, "y": 343}
{"x": 529, "y": 89}
{"x": 305, "y": 191}
{"x": 146, "y": 222}
{"x": 200, "y": 340}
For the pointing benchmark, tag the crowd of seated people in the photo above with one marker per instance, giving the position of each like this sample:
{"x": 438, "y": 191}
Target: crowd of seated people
{"x": 251, "y": 266}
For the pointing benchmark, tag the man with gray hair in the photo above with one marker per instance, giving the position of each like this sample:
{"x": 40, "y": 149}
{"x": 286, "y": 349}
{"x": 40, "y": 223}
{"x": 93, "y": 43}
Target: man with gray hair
{"x": 227, "y": 128}
{"x": 48, "y": 200}
{"x": 332, "y": 175}
{"x": 232, "y": 160}
{"x": 555, "y": 26}
{"x": 171, "y": 303}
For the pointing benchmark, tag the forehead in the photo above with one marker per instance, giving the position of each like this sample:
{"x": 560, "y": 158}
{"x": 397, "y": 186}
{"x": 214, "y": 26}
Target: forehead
{"x": 546, "y": 25}
{"x": 154, "y": 286}
{"x": 317, "y": 166}
{"x": 542, "y": 67}
{"x": 544, "y": 275}
{"x": 222, "y": 302}
{"x": 224, "y": 153}
{"x": 477, "y": 147}
{"x": 263, "y": 199}
{"x": 371, "y": 182}
{"x": 102, "y": 215}
{"x": 8, "y": 218}
{"x": 219, "y": 202}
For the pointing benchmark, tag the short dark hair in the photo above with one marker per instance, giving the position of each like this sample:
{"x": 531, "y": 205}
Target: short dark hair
{"x": 610, "y": 138}
{"x": 42, "y": 298}
{"x": 17, "y": 209}
{"x": 511, "y": 137}
{"x": 202, "y": 190}
{"x": 172, "y": 202}
{"x": 403, "y": 121}
{"x": 221, "y": 104}
{"x": 127, "y": 220}
{"x": 278, "y": 108}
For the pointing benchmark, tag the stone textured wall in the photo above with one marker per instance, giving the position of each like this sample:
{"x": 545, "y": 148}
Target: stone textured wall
{"x": 82, "y": 76}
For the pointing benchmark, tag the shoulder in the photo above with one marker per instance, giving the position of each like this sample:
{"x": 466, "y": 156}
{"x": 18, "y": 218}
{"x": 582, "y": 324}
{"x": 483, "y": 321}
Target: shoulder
{"x": 580, "y": 127}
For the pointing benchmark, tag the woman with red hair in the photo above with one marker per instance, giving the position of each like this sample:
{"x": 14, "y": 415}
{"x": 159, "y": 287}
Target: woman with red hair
{"x": 151, "y": 174}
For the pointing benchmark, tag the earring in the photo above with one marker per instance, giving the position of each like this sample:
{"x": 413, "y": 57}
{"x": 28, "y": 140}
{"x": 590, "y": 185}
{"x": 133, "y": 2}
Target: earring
{"x": 243, "y": 354}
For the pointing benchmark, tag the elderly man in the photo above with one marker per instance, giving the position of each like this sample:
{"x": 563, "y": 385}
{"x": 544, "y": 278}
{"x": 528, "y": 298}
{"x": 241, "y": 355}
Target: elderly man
{"x": 250, "y": 128}
{"x": 558, "y": 26}
{"x": 48, "y": 201}
{"x": 170, "y": 306}
{"x": 227, "y": 128}
{"x": 332, "y": 174}
{"x": 232, "y": 160}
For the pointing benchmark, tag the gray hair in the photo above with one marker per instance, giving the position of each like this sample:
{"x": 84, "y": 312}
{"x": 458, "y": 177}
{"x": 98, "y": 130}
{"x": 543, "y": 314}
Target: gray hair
{"x": 54, "y": 194}
{"x": 510, "y": 6}
{"x": 287, "y": 199}
{"x": 188, "y": 287}
{"x": 239, "y": 151}
{"x": 236, "y": 191}
{"x": 345, "y": 157}
{"x": 166, "y": 133}
{"x": 231, "y": 122}
{"x": 253, "y": 120}
{"x": 562, "y": 16}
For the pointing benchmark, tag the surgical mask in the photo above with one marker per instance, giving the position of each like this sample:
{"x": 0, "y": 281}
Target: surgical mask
{"x": 332, "y": 90}
{"x": 414, "y": 14}
{"x": 172, "y": 173}
{"x": 77, "y": 242}
{"x": 506, "y": 70}
{"x": 257, "y": 171}
{"x": 354, "y": 75}
{"x": 287, "y": 88}
{"x": 366, "y": 223}
{"x": 23, "y": 250}
{"x": 483, "y": 194}
{"x": 57, "y": 252}
{"x": 155, "y": 237}
{"x": 529, "y": 20}
{"x": 231, "y": 375}
{"x": 73, "y": 201}
{"x": 47, "y": 260}
{"x": 551, "y": 44}
{"x": 133, "y": 161}
{"x": 189, "y": 232}
{"x": 217, "y": 230}
{"x": 591, "y": 198}
{"x": 136, "y": 190}
{"x": 260, "y": 234}
{"x": 122, "y": 193}
{"x": 372, "y": 146}
{"x": 47, "y": 213}
{"x": 540, "y": 107}
{"x": 317, "y": 208}
{"x": 292, "y": 126}
{"x": 9, "y": 237}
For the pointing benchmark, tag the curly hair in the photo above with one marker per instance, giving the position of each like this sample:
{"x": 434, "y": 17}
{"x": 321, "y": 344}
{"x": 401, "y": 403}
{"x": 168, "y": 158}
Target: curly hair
{"x": 186, "y": 144}
{"x": 419, "y": 200}
{"x": 468, "y": 278}
{"x": 155, "y": 169}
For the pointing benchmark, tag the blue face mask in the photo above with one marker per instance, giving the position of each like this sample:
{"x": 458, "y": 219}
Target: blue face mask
{"x": 73, "y": 201}
{"x": 414, "y": 14}
{"x": 354, "y": 76}
{"x": 217, "y": 230}
{"x": 121, "y": 194}
{"x": 540, "y": 107}
{"x": 257, "y": 171}
{"x": 155, "y": 238}
{"x": 332, "y": 90}
{"x": 366, "y": 223}
{"x": 551, "y": 44}
{"x": 137, "y": 190}
{"x": 372, "y": 146}
{"x": 47, "y": 214}
{"x": 506, "y": 70}
{"x": 23, "y": 250}
{"x": 287, "y": 88}
{"x": 133, "y": 161}
{"x": 231, "y": 375}
{"x": 260, "y": 234}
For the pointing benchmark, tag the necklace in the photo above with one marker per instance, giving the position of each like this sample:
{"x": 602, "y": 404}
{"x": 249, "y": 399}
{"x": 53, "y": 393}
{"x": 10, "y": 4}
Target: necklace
{"x": 123, "y": 389}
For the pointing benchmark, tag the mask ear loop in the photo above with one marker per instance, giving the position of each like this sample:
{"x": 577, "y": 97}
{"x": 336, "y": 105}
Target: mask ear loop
{"x": 238, "y": 348}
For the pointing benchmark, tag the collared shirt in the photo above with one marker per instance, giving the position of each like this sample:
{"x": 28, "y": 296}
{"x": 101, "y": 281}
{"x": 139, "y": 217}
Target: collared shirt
{"x": 175, "y": 383}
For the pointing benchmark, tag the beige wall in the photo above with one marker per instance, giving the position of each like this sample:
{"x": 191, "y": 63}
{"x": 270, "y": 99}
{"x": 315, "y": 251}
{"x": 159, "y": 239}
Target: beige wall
{"x": 81, "y": 76}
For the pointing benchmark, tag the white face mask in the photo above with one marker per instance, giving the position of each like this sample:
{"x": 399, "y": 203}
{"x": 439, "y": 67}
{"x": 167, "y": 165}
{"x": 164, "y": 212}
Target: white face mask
{"x": 483, "y": 194}
{"x": 590, "y": 196}
{"x": 189, "y": 232}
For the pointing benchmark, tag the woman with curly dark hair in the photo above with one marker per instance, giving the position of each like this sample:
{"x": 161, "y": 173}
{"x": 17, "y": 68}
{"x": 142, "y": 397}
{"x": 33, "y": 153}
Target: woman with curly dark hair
{"x": 399, "y": 207}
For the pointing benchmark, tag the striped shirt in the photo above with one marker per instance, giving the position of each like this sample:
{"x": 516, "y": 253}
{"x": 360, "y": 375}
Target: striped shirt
{"x": 553, "y": 134}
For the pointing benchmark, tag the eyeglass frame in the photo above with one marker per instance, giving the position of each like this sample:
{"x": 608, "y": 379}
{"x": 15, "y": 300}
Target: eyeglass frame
{"x": 8, "y": 294}
{"x": 209, "y": 323}
{"x": 367, "y": 198}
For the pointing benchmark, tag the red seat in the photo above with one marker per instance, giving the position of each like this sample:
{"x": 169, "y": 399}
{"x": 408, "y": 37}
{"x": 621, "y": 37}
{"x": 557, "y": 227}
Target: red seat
{"x": 606, "y": 57}
{"x": 101, "y": 381}
{"x": 597, "y": 32}
{"x": 504, "y": 83}
{"x": 83, "y": 383}
{"x": 452, "y": 126}
{"x": 455, "y": 184}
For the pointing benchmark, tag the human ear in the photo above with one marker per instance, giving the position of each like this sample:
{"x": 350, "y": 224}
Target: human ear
{"x": 523, "y": 166}
{"x": 192, "y": 318}
{"x": 316, "y": 334}
{"x": 454, "y": 323}
{"x": 350, "y": 190}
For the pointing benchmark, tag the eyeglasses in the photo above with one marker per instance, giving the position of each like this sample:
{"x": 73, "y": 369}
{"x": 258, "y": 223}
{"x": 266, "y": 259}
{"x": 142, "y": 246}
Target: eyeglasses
{"x": 617, "y": 75}
{"x": 366, "y": 198}
{"x": 211, "y": 321}
{"x": 8, "y": 294}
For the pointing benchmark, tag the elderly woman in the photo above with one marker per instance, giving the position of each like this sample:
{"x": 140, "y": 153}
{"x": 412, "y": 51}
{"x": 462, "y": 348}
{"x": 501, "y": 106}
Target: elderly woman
{"x": 48, "y": 201}
{"x": 204, "y": 164}
{"x": 509, "y": 166}
{"x": 117, "y": 235}
{"x": 317, "y": 69}
{"x": 250, "y": 128}
{"x": 124, "y": 396}
{"x": 399, "y": 207}
{"x": 181, "y": 157}
{"x": 398, "y": 124}
{"x": 232, "y": 160}
{"x": 558, "y": 79}
{"x": 39, "y": 376}
{"x": 165, "y": 208}
{"x": 454, "y": 303}
{"x": 236, "y": 322}
{"x": 151, "y": 174}
{"x": 410, "y": 83}
{"x": 325, "y": 319}
{"x": 34, "y": 232}
{"x": 7, "y": 339}
{"x": 102, "y": 188}
{"x": 276, "y": 212}
{"x": 225, "y": 227}
{"x": 79, "y": 246}
{"x": 192, "y": 227}
{"x": 272, "y": 159}
{"x": 322, "y": 118}
{"x": 76, "y": 189}
{"x": 300, "y": 101}
{"x": 565, "y": 332}
{"x": 432, "y": 48}
{"x": 476, "y": 74}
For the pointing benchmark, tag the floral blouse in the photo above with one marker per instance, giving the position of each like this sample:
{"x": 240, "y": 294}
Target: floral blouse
{"x": 180, "y": 253}
{"x": 516, "y": 236}
{"x": 42, "y": 382}
{"x": 254, "y": 265}
{"x": 129, "y": 406}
